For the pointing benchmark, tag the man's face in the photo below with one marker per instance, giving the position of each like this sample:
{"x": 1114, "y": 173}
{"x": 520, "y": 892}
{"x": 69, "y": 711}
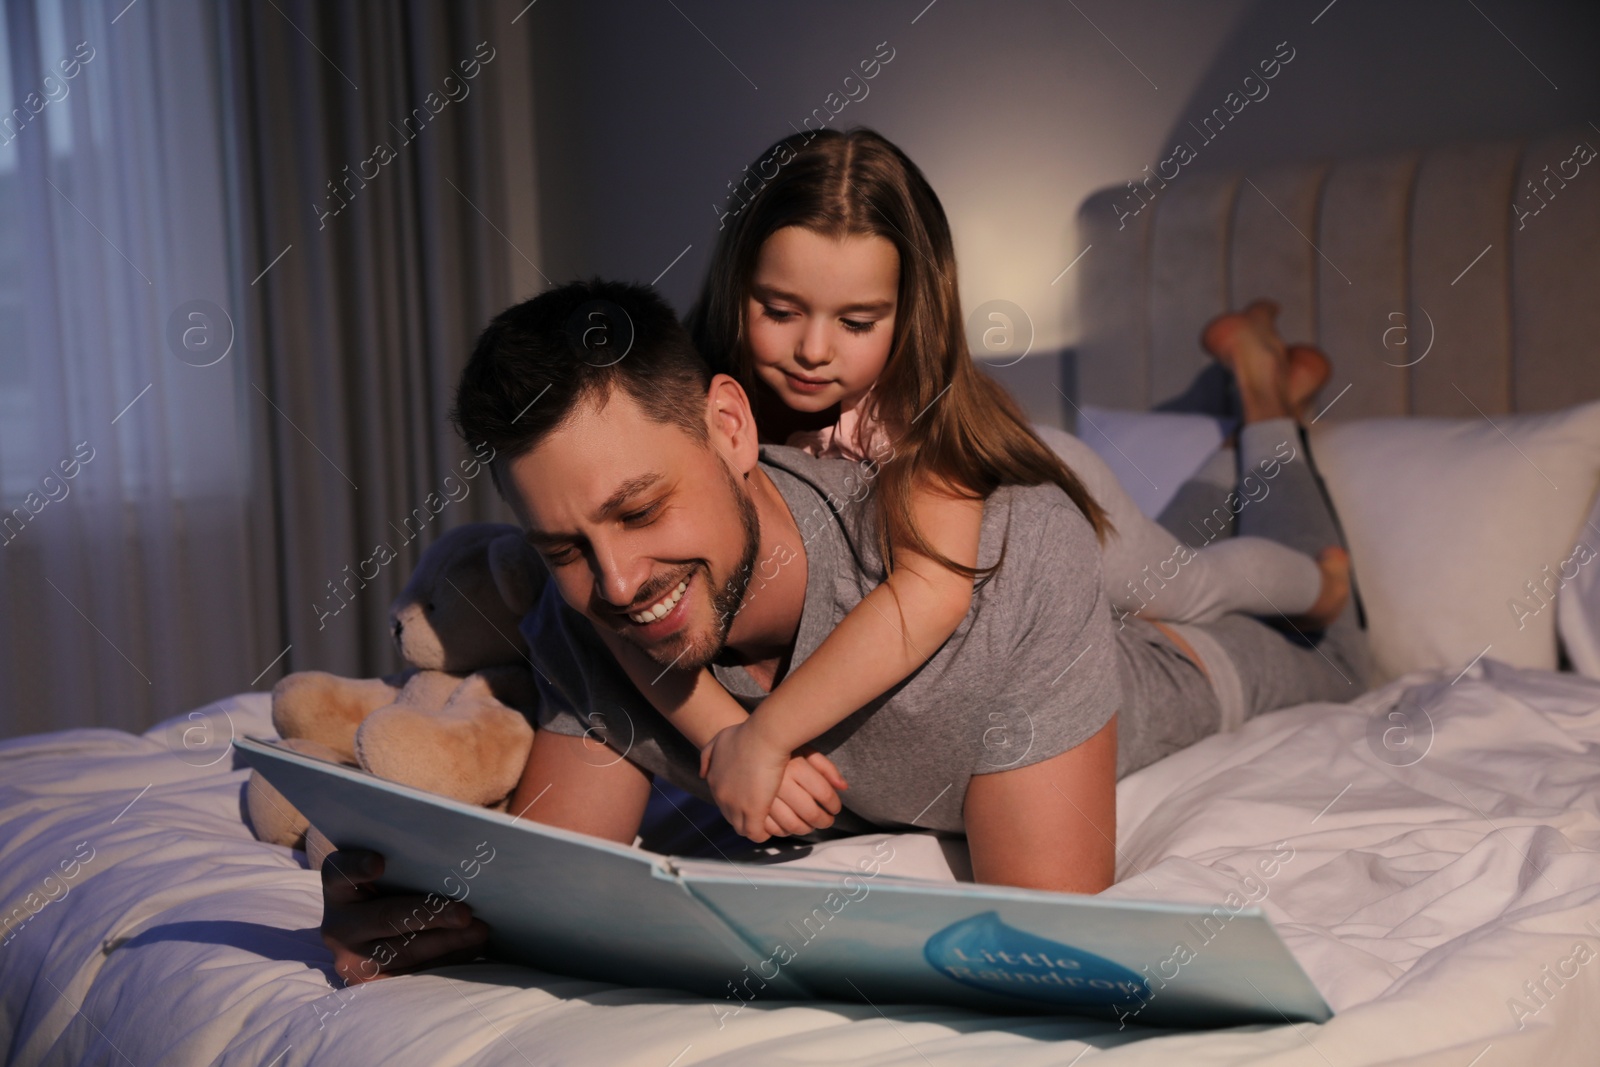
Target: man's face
{"x": 647, "y": 532}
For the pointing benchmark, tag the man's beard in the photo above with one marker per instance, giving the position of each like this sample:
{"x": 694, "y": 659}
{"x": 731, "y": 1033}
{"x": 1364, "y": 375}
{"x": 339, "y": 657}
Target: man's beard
{"x": 727, "y": 601}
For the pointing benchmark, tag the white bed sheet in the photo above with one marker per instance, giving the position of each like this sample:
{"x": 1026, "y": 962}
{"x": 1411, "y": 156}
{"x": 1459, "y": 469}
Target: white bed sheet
{"x": 1419, "y": 898}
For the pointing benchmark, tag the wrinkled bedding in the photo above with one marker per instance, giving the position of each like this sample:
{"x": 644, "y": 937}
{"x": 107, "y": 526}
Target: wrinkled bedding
{"x": 1443, "y": 892}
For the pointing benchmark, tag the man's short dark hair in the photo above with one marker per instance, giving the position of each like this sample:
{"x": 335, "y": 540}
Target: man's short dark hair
{"x": 536, "y": 361}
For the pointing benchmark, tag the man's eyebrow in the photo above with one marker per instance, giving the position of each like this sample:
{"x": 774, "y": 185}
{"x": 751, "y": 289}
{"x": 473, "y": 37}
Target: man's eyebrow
{"x": 771, "y": 291}
{"x": 623, "y": 493}
{"x": 628, "y": 490}
{"x": 538, "y": 538}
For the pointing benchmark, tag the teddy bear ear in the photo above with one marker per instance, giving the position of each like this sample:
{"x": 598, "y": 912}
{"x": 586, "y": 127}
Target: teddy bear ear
{"x": 519, "y": 573}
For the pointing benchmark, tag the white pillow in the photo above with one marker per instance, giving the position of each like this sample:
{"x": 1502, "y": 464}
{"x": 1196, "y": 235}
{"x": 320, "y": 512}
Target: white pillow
{"x": 1577, "y": 579}
{"x": 1152, "y": 453}
{"x": 1449, "y": 519}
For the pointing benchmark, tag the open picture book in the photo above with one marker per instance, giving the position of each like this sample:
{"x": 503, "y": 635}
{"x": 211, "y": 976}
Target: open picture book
{"x": 739, "y": 932}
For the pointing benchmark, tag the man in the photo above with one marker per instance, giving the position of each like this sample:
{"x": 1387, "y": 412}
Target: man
{"x": 666, "y": 526}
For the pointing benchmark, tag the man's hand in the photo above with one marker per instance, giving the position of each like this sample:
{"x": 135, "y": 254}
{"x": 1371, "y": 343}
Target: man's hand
{"x": 374, "y": 936}
{"x": 807, "y": 800}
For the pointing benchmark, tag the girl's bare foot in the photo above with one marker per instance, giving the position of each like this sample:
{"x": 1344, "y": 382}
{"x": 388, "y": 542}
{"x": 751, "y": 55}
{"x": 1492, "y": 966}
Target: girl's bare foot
{"x": 1247, "y": 343}
{"x": 1335, "y": 566}
{"x": 1309, "y": 371}
{"x": 1224, "y": 334}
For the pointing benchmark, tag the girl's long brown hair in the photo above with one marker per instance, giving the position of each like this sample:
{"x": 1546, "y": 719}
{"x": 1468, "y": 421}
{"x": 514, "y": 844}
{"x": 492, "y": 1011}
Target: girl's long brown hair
{"x": 946, "y": 420}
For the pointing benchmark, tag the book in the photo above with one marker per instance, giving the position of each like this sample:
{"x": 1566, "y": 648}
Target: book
{"x": 738, "y": 932}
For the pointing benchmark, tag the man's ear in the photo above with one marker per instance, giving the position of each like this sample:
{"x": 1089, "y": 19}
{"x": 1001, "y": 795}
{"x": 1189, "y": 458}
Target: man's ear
{"x": 731, "y": 423}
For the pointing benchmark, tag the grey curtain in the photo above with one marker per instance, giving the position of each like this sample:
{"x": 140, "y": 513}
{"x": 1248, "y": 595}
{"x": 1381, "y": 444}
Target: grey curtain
{"x": 133, "y": 586}
{"x": 377, "y": 191}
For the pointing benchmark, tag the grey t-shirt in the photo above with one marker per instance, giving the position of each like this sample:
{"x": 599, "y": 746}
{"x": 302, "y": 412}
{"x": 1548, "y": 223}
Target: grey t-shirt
{"x": 1035, "y": 668}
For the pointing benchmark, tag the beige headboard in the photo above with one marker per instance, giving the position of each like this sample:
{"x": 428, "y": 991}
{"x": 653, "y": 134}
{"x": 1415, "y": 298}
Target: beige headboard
{"x": 1478, "y": 265}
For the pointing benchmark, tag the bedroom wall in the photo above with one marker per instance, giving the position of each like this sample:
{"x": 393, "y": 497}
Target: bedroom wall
{"x": 1016, "y": 111}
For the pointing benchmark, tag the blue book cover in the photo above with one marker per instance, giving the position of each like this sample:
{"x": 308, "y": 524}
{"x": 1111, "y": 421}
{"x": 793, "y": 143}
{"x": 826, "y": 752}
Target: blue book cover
{"x": 573, "y": 904}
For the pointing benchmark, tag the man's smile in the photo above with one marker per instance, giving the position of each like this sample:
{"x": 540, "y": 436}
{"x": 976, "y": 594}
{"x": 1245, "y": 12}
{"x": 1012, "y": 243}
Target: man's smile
{"x": 660, "y": 608}
{"x": 660, "y": 619}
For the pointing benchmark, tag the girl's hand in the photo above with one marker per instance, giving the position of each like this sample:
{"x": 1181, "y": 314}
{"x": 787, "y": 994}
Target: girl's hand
{"x": 800, "y": 790}
{"x": 744, "y": 773}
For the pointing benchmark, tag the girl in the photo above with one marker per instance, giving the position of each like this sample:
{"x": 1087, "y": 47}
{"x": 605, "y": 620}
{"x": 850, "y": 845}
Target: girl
{"x": 832, "y": 298}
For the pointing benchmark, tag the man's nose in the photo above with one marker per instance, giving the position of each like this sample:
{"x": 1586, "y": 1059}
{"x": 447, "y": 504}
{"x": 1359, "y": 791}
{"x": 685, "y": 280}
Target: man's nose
{"x": 619, "y": 575}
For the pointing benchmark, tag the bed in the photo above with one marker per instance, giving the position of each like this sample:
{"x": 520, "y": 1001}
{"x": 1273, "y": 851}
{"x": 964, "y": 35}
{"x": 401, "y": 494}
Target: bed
{"x": 1421, "y": 899}
{"x": 1444, "y": 885}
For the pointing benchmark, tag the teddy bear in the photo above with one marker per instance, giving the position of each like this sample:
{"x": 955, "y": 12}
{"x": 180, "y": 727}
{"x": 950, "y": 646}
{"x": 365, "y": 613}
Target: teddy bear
{"x": 455, "y": 721}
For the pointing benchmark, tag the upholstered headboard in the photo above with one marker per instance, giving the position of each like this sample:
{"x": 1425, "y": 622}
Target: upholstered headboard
{"x": 1438, "y": 281}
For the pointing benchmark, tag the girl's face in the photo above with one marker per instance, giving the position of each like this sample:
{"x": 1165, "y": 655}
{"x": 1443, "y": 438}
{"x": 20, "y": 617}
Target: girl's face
{"x": 819, "y": 317}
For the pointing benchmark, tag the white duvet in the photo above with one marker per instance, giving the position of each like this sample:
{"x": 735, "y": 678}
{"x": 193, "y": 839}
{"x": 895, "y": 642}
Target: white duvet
{"x": 1447, "y": 906}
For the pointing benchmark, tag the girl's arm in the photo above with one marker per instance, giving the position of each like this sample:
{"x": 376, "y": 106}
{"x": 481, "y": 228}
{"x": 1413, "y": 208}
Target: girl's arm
{"x": 697, "y": 706}
{"x": 894, "y": 629}
{"x": 692, "y": 701}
